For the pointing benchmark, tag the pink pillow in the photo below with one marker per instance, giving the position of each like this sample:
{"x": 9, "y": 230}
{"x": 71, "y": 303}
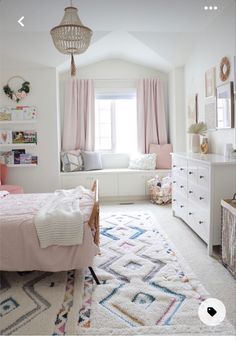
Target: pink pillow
{"x": 163, "y": 155}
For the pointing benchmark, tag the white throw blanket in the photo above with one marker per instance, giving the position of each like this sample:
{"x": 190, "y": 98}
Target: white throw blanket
{"x": 60, "y": 221}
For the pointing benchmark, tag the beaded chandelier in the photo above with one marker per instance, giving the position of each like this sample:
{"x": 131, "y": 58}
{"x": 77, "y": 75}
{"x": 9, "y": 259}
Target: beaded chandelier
{"x": 71, "y": 36}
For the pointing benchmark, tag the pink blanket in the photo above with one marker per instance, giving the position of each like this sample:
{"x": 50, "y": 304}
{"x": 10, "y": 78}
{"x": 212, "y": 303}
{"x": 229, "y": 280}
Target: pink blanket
{"x": 19, "y": 244}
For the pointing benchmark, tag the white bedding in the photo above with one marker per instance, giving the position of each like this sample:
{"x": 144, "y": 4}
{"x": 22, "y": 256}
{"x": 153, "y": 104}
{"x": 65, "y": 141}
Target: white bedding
{"x": 60, "y": 221}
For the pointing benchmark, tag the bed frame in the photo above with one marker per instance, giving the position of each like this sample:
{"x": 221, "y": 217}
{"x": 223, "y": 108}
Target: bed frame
{"x": 94, "y": 224}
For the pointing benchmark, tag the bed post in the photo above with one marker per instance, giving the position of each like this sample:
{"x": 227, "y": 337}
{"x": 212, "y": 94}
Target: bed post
{"x": 94, "y": 218}
{"x": 94, "y": 224}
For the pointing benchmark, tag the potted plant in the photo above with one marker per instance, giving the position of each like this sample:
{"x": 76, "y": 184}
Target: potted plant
{"x": 196, "y": 130}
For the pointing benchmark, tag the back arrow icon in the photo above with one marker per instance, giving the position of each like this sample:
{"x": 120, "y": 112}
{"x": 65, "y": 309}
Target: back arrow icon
{"x": 20, "y": 21}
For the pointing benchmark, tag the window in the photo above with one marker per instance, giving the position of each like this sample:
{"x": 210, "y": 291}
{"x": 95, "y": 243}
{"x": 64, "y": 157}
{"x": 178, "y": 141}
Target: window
{"x": 116, "y": 123}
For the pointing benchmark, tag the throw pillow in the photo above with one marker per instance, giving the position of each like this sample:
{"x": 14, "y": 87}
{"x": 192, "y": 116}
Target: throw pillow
{"x": 143, "y": 161}
{"x": 92, "y": 160}
{"x": 162, "y": 152}
{"x": 71, "y": 161}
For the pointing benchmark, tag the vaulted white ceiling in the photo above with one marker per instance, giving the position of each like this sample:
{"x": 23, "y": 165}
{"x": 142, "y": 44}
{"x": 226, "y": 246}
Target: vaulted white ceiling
{"x": 156, "y": 33}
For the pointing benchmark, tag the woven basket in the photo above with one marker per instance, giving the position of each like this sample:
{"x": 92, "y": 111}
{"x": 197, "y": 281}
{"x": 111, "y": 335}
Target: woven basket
{"x": 156, "y": 197}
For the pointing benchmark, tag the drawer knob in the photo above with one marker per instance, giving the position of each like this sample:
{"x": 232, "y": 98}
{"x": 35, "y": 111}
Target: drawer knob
{"x": 174, "y": 199}
{"x": 201, "y": 198}
{"x": 181, "y": 186}
{"x": 190, "y": 173}
{"x": 190, "y": 213}
{"x": 200, "y": 222}
{"x": 190, "y": 192}
{"x": 174, "y": 166}
{"x": 174, "y": 182}
{"x": 201, "y": 176}
{"x": 181, "y": 169}
{"x": 181, "y": 206}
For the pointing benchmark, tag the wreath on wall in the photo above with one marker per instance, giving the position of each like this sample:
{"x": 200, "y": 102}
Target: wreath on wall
{"x": 224, "y": 69}
{"x": 17, "y": 95}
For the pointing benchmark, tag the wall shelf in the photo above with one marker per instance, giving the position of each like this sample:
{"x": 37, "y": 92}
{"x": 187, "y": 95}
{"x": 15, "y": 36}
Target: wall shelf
{"x": 21, "y": 165}
{"x": 18, "y": 145}
{"x": 18, "y": 122}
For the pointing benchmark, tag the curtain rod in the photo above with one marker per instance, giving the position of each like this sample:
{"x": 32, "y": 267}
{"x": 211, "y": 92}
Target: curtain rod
{"x": 115, "y": 80}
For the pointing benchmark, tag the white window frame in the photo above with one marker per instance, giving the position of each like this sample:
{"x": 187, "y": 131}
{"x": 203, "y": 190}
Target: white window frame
{"x": 114, "y": 94}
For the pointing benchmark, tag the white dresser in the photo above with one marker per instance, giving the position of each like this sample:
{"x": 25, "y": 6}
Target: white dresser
{"x": 199, "y": 183}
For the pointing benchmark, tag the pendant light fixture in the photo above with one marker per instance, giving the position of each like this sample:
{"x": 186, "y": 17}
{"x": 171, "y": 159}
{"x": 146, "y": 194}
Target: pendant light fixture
{"x": 71, "y": 36}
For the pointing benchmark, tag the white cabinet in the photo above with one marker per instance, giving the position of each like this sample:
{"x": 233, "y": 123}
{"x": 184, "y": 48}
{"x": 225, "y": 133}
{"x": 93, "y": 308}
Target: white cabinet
{"x": 199, "y": 184}
{"x": 107, "y": 182}
{"x": 113, "y": 183}
{"x": 133, "y": 184}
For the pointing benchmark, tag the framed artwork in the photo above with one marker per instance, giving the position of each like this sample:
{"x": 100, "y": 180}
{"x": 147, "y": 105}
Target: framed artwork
{"x": 192, "y": 109}
{"x": 210, "y": 82}
{"x": 225, "y": 106}
{"x": 210, "y": 113}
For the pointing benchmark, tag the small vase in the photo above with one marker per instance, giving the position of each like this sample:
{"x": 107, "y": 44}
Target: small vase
{"x": 195, "y": 143}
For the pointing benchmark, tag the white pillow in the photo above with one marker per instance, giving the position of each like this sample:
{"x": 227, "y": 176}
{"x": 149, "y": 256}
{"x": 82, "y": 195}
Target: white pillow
{"x": 143, "y": 161}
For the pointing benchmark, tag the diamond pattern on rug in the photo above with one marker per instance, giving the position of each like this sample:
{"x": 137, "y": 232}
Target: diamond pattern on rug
{"x": 21, "y": 301}
{"x": 153, "y": 304}
{"x": 144, "y": 283}
{"x": 7, "y": 306}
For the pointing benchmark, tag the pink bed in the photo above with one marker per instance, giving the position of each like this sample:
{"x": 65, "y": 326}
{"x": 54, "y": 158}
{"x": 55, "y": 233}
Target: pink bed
{"x": 19, "y": 244}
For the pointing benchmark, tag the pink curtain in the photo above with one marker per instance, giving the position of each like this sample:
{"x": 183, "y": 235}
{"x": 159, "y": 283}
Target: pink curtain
{"x": 151, "y": 114}
{"x": 79, "y": 115}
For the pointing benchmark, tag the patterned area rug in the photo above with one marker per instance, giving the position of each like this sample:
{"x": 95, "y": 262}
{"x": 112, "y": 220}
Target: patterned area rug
{"x": 147, "y": 288}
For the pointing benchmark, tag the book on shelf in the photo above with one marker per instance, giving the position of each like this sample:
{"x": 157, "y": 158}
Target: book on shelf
{"x": 34, "y": 160}
{"x": 18, "y": 157}
{"x": 7, "y": 157}
{"x": 5, "y": 116}
{"x": 27, "y": 136}
{"x": 17, "y": 153}
{"x": 18, "y": 113}
{"x": 25, "y": 159}
{"x": 5, "y": 137}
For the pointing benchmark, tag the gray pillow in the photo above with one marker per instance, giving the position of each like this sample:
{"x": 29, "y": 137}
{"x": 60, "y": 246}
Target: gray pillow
{"x": 92, "y": 160}
{"x": 71, "y": 161}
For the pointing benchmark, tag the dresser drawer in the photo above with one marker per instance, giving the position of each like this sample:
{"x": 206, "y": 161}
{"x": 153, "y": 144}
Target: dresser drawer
{"x": 179, "y": 205}
{"x": 198, "y": 220}
{"x": 192, "y": 172}
{"x": 179, "y": 166}
{"x": 203, "y": 176}
{"x": 193, "y": 192}
{"x": 202, "y": 197}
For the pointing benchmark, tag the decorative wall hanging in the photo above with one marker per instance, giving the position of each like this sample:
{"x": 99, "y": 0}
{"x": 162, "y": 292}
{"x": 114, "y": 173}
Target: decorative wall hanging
{"x": 210, "y": 82}
{"x": 192, "y": 109}
{"x": 224, "y": 69}
{"x": 71, "y": 36}
{"x": 17, "y": 95}
{"x": 225, "y": 106}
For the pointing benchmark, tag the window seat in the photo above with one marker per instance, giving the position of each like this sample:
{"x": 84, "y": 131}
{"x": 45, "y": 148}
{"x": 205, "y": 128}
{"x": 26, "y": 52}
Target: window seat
{"x": 114, "y": 183}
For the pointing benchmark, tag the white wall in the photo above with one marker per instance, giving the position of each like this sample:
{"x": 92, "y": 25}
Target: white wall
{"x": 177, "y": 122}
{"x": 114, "y": 74}
{"x": 43, "y": 95}
{"x": 218, "y": 41}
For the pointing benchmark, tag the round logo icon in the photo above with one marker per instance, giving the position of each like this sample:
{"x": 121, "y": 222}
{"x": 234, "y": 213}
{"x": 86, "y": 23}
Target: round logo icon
{"x": 212, "y": 312}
